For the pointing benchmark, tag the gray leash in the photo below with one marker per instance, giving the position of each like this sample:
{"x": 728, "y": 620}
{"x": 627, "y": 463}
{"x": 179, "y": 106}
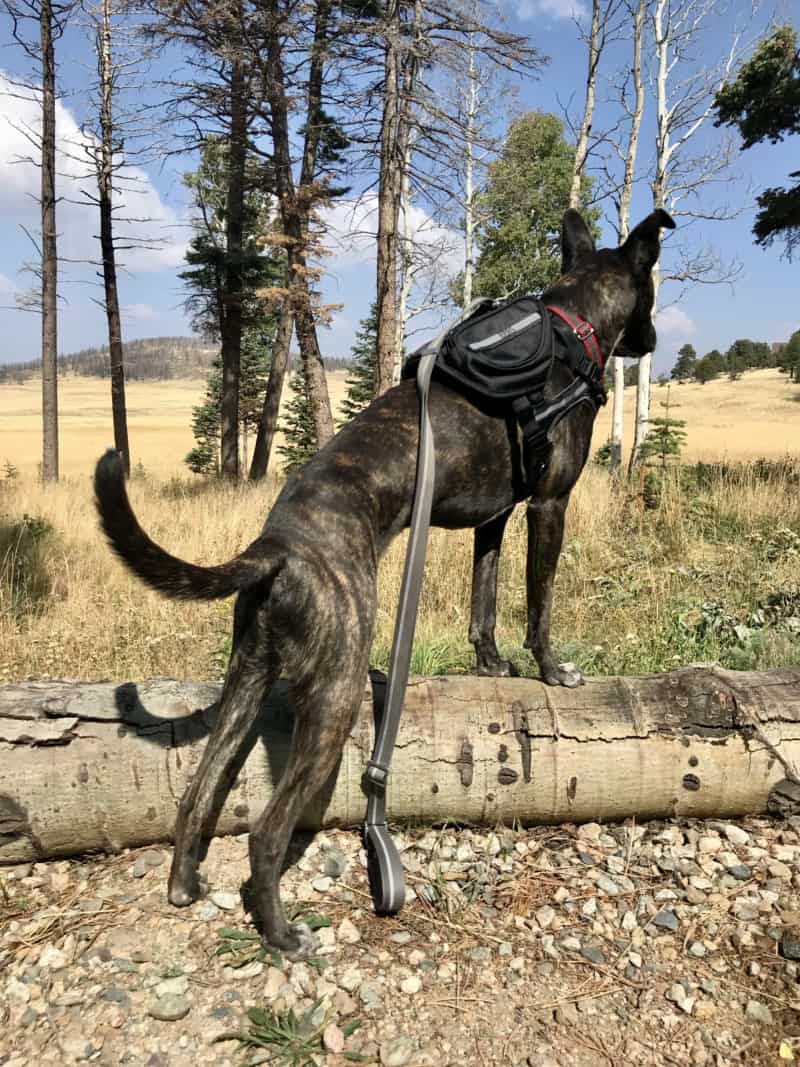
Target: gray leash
{"x": 384, "y": 866}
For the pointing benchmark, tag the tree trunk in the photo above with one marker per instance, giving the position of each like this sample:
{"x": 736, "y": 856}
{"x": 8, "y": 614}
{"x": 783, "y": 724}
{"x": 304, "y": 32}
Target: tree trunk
{"x": 231, "y": 322}
{"x": 105, "y": 181}
{"x": 659, "y": 187}
{"x": 268, "y": 423}
{"x": 389, "y": 185}
{"x": 295, "y": 209}
{"x": 49, "y": 249}
{"x": 470, "y": 109}
{"x": 103, "y": 766}
{"x": 582, "y": 147}
{"x": 623, "y": 217}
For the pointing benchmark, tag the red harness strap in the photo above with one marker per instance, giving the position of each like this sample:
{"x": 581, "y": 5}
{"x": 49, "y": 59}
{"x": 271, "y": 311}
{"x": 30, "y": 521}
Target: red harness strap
{"x": 584, "y": 331}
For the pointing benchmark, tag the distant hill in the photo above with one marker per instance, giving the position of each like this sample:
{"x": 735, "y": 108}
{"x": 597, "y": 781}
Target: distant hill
{"x": 150, "y": 359}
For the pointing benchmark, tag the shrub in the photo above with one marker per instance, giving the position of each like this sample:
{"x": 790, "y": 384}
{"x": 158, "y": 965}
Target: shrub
{"x": 24, "y": 579}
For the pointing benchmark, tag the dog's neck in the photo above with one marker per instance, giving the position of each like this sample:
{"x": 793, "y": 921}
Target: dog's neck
{"x": 605, "y": 303}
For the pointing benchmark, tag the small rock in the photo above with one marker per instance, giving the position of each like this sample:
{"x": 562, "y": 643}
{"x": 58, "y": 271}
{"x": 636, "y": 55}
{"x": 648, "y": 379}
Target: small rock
{"x": 779, "y": 870}
{"x": 140, "y": 868}
{"x": 322, "y": 885}
{"x": 593, "y": 955}
{"x": 207, "y": 911}
{"x": 605, "y": 885}
{"x": 709, "y": 844}
{"x": 169, "y": 1008}
{"x": 173, "y": 986}
{"x": 590, "y": 831}
{"x": 740, "y": 871}
{"x": 789, "y": 946}
{"x": 758, "y": 1012}
{"x": 697, "y": 949}
{"x": 343, "y": 1003}
{"x": 397, "y": 1052}
{"x": 347, "y": 933}
{"x": 225, "y": 901}
{"x": 505, "y": 948}
{"x": 666, "y": 920}
{"x": 335, "y": 863}
{"x": 411, "y": 985}
{"x": 480, "y": 954}
{"x": 402, "y": 937}
{"x": 370, "y": 995}
{"x": 333, "y": 1038}
{"x": 735, "y": 834}
{"x": 52, "y": 959}
{"x": 275, "y": 981}
{"x": 545, "y": 916}
{"x": 351, "y": 979}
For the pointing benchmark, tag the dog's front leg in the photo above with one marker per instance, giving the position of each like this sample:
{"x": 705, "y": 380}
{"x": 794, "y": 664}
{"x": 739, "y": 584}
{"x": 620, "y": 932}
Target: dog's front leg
{"x": 545, "y": 535}
{"x": 488, "y": 539}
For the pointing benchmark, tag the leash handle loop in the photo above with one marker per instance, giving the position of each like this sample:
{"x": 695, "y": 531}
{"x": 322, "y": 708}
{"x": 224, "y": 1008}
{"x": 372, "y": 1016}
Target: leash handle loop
{"x": 384, "y": 867}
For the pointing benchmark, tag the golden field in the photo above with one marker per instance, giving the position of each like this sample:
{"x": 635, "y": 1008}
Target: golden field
{"x": 159, "y": 422}
{"x": 759, "y": 415}
{"x": 710, "y": 572}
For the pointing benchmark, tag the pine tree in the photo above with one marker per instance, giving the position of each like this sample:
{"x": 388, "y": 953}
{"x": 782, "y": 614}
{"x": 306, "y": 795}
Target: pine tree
{"x": 360, "y": 381}
{"x": 204, "y": 458}
{"x": 684, "y": 364}
{"x": 299, "y": 431}
{"x": 206, "y": 423}
{"x": 666, "y": 438}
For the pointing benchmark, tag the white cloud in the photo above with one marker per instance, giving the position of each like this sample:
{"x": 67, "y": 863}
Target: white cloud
{"x": 77, "y": 218}
{"x": 138, "y": 312}
{"x": 7, "y": 287}
{"x": 352, "y": 224}
{"x": 674, "y": 326}
{"x": 559, "y": 9}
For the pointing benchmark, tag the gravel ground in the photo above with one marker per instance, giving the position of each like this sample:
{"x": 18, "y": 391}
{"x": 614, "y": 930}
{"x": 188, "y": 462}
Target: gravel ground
{"x": 670, "y": 943}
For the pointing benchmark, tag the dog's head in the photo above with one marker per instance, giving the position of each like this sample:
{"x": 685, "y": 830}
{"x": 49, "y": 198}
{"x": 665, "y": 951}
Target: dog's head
{"x": 626, "y": 273}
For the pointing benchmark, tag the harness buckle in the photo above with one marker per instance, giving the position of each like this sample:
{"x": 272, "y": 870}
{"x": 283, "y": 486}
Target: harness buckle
{"x": 583, "y": 331}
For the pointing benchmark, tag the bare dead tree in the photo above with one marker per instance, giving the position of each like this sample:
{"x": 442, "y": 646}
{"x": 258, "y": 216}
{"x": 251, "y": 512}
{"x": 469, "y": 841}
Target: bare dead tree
{"x": 684, "y": 87}
{"x": 635, "y": 110}
{"x": 47, "y": 20}
{"x": 298, "y": 202}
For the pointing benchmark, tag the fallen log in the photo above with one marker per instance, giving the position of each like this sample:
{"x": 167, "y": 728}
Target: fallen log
{"x": 102, "y": 766}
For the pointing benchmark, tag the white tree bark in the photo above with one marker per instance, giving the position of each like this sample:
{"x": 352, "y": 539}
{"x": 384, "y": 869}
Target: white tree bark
{"x": 103, "y": 766}
{"x": 623, "y": 220}
{"x": 582, "y": 145}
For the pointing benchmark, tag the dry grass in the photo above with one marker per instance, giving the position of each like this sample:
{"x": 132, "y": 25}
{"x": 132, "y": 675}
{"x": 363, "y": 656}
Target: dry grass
{"x": 159, "y": 422}
{"x": 637, "y": 590}
{"x": 758, "y": 415}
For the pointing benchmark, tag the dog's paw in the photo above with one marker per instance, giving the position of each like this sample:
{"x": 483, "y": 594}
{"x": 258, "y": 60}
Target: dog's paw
{"x": 566, "y": 674}
{"x": 304, "y": 945}
{"x": 501, "y": 668}
{"x": 185, "y": 891}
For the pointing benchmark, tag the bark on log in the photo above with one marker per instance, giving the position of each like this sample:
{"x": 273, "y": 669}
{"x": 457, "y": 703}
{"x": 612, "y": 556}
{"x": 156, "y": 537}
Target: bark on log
{"x": 103, "y": 766}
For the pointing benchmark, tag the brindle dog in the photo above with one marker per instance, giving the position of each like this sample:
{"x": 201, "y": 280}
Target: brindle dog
{"x": 307, "y": 585}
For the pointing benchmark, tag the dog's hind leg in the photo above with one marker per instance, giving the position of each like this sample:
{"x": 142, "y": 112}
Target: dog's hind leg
{"x": 325, "y": 711}
{"x": 545, "y": 535}
{"x": 251, "y": 673}
{"x": 488, "y": 539}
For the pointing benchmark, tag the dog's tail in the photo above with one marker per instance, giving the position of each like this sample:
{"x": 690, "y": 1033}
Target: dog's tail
{"x": 169, "y": 575}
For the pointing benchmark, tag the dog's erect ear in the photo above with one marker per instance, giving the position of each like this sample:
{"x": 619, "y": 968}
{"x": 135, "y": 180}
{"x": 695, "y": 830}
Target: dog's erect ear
{"x": 576, "y": 239}
{"x": 644, "y": 245}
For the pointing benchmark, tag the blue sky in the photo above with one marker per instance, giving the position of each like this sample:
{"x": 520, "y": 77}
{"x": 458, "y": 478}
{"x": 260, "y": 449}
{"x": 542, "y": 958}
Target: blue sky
{"x": 761, "y": 304}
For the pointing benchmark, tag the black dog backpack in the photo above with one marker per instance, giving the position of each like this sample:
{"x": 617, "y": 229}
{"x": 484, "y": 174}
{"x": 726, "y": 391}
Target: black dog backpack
{"x": 501, "y": 355}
